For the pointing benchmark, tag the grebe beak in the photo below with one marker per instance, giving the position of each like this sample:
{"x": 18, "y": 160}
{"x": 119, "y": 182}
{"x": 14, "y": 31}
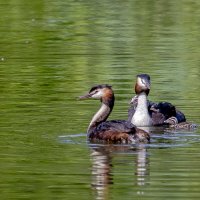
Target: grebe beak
{"x": 87, "y": 96}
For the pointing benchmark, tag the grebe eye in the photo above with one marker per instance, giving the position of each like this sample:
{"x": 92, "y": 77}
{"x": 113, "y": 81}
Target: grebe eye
{"x": 95, "y": 91}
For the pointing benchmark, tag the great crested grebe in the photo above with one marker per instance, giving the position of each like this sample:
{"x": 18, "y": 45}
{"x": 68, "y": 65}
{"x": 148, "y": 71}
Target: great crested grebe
{"x": 141, "y": 116}
{"x": 157, "y": 112}
{"x": 114, "y": 131}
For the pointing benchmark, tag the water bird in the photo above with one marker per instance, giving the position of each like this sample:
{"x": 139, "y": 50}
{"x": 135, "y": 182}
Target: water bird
{"x": 113, "y": 131}
{"x": 157, "y": 113}
{"x": 173, "y": 123}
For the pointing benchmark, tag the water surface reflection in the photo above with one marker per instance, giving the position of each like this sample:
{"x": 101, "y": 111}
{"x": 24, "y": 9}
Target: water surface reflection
{"x": 103, "y": 167}
{"x": 52, "y": 51}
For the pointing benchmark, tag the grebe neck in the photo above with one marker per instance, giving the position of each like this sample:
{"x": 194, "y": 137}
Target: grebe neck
{"x": 101, "y": 115}
{"x": 141, "y": 116}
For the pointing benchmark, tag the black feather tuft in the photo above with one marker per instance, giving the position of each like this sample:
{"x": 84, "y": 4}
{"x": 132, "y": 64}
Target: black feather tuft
{"x": 100, "y": 87}
{"x": 144, "y": 76}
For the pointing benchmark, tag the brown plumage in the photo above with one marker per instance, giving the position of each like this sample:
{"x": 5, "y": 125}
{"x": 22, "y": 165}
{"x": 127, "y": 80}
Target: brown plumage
{"x": 172, "y": 121}
{"x": 114, "y": 131}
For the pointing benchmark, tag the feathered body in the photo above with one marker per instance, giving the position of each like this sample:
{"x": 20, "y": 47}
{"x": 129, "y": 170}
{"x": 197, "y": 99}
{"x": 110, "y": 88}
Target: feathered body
{"x": 158, "y": 112}
{"x": 114, "y": 131}
{"x": 173, "y": 123}
{"x": 141, "y": 115}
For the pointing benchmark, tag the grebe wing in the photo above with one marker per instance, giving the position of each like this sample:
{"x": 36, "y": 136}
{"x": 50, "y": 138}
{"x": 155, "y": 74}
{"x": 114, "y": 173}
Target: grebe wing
{"x": 119, "y": 131}
{"x": 131, "y": 112}
{"x": 180, "y": 116}
{"x": 117, "y": 126}
{"x": 165, "y": 110}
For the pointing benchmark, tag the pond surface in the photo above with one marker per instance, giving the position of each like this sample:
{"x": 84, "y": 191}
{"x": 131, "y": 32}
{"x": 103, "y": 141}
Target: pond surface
{"x": 53, "y": 51}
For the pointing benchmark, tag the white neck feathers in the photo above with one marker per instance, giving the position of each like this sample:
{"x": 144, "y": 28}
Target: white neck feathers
{"x": 101, "y": 115}
{"x": 141, "y": 116}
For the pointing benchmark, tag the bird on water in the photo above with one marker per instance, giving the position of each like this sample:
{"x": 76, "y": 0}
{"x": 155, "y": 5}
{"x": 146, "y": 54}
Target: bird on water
{"x": 113, "y": 131}
{"x": 156, "y": 113}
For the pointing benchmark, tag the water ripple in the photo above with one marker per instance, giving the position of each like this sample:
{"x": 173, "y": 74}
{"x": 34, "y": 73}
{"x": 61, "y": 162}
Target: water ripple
{"x": 165, "y": 140}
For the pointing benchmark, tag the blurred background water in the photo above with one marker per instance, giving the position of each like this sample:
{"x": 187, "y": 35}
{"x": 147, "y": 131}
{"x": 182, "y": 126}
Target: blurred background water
{"x": 53, "y": 51}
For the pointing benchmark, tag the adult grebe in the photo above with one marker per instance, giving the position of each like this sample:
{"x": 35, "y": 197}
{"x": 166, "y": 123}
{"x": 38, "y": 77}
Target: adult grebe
{"x": 158, "y": 112}
{"x": 114, "y": 131}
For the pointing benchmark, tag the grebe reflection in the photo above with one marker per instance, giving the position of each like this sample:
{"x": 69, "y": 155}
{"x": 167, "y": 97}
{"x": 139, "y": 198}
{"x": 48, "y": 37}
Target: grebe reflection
{"x": 104, "y": 165}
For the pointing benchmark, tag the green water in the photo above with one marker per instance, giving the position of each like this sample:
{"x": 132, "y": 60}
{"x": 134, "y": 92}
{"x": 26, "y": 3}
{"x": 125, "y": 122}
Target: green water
{"x": 53, "y": 51}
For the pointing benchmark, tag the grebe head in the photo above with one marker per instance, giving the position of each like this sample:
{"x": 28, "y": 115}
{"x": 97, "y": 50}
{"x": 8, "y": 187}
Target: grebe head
{"x": 143, "y": 84}
{"x": 101, "y": 92}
